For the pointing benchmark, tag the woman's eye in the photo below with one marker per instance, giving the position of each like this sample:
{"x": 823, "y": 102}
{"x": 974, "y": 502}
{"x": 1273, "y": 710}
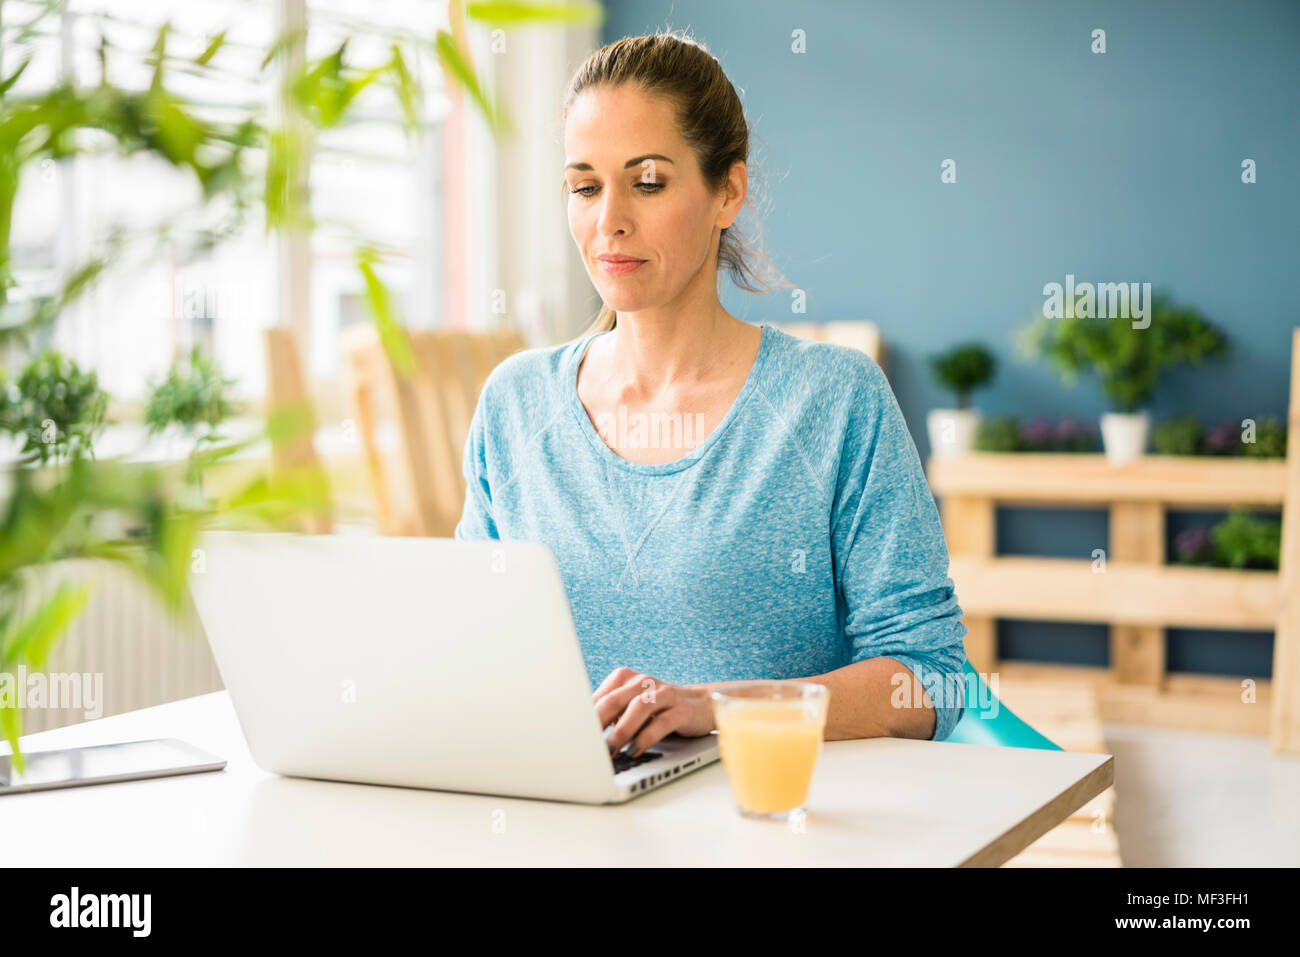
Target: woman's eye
{"x": 646, "y": 187}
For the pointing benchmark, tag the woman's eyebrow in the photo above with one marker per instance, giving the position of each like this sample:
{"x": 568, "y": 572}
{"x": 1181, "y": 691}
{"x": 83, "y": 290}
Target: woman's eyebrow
{"x": 628, "y": 165}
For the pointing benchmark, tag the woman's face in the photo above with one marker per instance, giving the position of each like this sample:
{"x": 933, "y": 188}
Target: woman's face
{"x": 635, "y": 190}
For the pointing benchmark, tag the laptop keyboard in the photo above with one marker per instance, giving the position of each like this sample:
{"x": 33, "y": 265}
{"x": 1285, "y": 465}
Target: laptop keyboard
{"x": 623, "y": 763}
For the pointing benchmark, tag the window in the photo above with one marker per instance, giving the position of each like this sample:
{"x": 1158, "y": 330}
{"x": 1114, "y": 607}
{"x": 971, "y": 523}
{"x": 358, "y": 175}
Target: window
{"x": 371, "y": 183}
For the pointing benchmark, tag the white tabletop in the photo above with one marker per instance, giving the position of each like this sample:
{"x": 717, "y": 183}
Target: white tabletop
{"x": 880, "y": 801}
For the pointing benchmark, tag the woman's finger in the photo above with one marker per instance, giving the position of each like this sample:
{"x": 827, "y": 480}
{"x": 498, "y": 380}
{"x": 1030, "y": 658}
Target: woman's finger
{"x": 639, "y": 711}
{"x": 616, "y": 700}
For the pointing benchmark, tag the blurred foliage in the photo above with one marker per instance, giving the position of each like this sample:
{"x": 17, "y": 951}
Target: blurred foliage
{"x": 55, "y": 407}
{"x": 143, "y": 516}
{"x": 1006, "y": 433}
{"x": 1270, "y": 439}
{"x": 1241, "y": 540}
{"x": 964, "y": 368}
{"x": 128, "y": 513}
{"x": 1180, "y": 436}
{"x": 1185, "y": 435}
{"x": 193, "y": 395}
{"x": 1126, "y": 361}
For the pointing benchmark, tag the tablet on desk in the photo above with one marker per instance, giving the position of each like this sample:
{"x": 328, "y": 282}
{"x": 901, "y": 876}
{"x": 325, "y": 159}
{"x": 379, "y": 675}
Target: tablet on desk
{"x": 104, "y": 764}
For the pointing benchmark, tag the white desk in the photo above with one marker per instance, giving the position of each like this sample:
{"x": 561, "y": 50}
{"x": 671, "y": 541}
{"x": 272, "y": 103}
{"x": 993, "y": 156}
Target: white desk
{"x": 885, "y": 801}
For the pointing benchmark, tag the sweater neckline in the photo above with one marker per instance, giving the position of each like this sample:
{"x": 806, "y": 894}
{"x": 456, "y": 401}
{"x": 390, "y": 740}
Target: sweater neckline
{"x": 694, "y": 455}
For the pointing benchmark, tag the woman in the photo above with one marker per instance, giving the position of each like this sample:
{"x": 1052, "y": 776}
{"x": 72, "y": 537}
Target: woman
{"x": 779, "y": 524}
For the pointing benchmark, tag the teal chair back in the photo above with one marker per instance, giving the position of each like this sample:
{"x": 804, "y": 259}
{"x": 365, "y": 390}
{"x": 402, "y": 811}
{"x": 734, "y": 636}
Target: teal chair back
{"x": 990, "y": 722}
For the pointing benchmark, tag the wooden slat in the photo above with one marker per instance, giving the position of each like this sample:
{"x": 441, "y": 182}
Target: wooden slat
{"x": 855, "y": 333}
{"x": 438, "y": 432}
{"x": 970, "y": 529}
{"x": 1077, "y": 479}
{"x": 1188, "y": 701}
{"x": 421, "y": 489}
{"x": 1068, "y": 589}
{"x": 404, "y": 481}
{"x": 1285, "y": 736}
{"x": 1137, "y": 534}
{"x": 286, "y": 390}
{"x": 804, "y": 330}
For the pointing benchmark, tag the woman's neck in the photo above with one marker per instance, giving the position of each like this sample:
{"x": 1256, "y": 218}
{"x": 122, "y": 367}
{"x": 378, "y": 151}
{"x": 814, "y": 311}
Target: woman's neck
{"x": 675, "y": 347}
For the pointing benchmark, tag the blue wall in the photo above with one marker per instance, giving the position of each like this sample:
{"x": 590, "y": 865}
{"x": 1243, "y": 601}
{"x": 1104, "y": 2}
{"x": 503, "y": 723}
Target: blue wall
{"x": 1122, "y": 166}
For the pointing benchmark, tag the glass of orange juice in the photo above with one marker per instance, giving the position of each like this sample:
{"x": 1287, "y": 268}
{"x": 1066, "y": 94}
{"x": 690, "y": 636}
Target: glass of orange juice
{"x": 769, "y": 738}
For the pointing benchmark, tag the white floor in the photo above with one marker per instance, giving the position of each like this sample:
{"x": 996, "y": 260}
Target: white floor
{"x": 1197, "y": 799}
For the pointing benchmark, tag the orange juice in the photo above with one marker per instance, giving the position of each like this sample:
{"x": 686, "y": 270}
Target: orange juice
{"x": 769, "y": 749}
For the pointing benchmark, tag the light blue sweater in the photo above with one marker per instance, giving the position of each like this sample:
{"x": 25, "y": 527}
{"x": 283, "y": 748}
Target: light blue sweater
{"x": 798, "y": 537}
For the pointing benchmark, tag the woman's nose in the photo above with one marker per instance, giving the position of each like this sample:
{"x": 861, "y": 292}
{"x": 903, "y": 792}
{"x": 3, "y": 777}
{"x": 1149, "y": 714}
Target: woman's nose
{"x": 613, "y": 215}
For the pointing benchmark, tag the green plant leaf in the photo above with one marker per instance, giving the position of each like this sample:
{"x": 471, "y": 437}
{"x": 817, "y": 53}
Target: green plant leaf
{"x": 31, "y": 640}
{"x": 516, "y": 14}
{"x": 10, "y": 80}
{"x": 462, "y": 72}
{"x": 211, "y": 50}
{"x": 391, "y": 332}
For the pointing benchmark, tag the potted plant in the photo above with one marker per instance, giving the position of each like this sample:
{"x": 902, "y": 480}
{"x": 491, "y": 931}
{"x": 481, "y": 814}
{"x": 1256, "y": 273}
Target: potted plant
{"x": 53, "y": 408}
{"x": 1126, "y": 360}
{"x": 192, "y": 399}
{"x": 961, "y": 369}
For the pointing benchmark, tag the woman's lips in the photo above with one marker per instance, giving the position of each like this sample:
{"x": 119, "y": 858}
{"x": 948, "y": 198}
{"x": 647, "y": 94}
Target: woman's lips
{"x": 621, "y": 267}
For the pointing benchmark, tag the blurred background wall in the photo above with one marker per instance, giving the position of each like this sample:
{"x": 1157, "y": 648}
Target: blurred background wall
{"x": 1115, "y": 166}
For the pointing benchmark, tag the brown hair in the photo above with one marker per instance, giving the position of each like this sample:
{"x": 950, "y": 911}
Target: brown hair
{"x": 712, "y": 122}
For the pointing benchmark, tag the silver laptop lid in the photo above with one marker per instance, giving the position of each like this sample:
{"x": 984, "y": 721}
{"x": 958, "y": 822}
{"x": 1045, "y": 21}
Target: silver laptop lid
{"x": 421, "y": 662}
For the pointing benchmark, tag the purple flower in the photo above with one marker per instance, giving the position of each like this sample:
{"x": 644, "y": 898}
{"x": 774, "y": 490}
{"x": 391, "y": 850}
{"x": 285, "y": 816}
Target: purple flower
{"x": 1193, "y": 544}
{"x": 1223, "y": 439}
{"x": 1036, "y": 434}
{"x": 1067, "y": 429}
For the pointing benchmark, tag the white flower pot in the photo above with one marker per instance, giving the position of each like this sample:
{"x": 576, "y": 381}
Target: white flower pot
{"x": 1124, "y": 436}
{"x": 952, "y": 431}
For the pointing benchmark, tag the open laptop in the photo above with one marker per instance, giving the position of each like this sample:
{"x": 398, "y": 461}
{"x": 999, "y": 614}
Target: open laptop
{"x": 418, "y": 662}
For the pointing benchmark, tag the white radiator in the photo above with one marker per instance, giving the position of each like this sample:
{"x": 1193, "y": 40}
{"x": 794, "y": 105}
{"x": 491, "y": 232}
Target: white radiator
{"x": 145, "y": 657}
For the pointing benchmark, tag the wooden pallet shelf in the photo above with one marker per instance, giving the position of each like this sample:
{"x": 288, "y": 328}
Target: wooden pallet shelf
{"x": 1130, "y": 586}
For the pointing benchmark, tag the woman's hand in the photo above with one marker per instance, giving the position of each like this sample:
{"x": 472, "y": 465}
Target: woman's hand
{"x": 643, "y": 710}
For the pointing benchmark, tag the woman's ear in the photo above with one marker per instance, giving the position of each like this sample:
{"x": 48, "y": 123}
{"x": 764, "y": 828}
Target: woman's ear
{"x": 736, "y": 187}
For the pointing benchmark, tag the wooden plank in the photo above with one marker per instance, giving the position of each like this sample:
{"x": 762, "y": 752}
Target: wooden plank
{"x": 804, "y": 330}
{"x": 1285, "y": 733}
{"x": 1069, "y": 589}
{"x": 286, "y": 392}
{"x": 1178, "y": 706}
{"x": 1077, "y": 479}
{"x": 970, "y": 529}
{"x": 1137, "y": 534}
{"x": 446, "y": 481}
{"x": 361, "y": 384}
{"x": 856, "y": 334}
{"x": 1188, "y": 701}
{"x": 405, "y": 481}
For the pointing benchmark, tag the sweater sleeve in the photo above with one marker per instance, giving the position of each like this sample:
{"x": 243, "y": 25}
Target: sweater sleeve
{"x": 891, "y": 560}
{"x": 476, "y": 520}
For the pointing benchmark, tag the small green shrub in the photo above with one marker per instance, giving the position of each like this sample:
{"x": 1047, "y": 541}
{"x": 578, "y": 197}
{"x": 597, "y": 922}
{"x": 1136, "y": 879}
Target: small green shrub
{"x": 1181, "y": 436}
{"x": 963, "y": 369}
{"x": 55, "y": 406}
